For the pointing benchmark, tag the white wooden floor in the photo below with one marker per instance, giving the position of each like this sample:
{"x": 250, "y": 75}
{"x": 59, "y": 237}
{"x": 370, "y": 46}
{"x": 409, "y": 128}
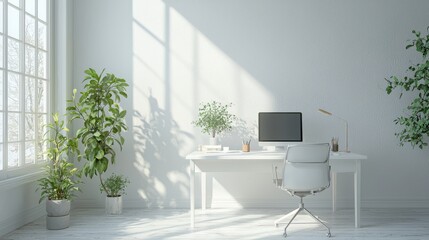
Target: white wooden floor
{"x": 407, "y": 224}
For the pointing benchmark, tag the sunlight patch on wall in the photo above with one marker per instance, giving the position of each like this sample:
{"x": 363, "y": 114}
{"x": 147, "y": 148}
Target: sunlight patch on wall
{"x": 175, "y": 68}
{"x": 180, "y": 179}
{"x": 149, "y": 52}
{"x": 201, "y": 72}
{"x": 152, "y": 14}
{"x": 142, "y": 193}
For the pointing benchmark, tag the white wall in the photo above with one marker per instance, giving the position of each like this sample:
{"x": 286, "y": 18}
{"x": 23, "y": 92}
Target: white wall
{"x": 19, "y": 204}
{"x": 262, "y": 56}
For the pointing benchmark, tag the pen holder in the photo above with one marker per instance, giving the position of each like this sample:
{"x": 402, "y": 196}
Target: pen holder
{"x": 334, "y": 144}
{"x": 245, "y": 148}
{"x": 334, "y": 147}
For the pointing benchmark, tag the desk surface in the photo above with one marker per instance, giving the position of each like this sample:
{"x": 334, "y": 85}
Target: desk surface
{"x": 260, "y": 155}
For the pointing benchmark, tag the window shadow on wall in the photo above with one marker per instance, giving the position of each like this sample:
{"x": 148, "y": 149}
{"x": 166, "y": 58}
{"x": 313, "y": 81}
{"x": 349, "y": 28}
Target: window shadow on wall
{"x": 241, "y": 130}
{"x": 158, "y": 139}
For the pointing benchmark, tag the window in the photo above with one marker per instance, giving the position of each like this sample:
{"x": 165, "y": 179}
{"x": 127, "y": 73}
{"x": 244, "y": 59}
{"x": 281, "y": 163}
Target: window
{"x": 24, "y": 83}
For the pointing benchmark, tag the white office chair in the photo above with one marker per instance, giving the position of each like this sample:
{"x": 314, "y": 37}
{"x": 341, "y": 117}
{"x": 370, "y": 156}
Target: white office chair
{"x": 306, "y": 171}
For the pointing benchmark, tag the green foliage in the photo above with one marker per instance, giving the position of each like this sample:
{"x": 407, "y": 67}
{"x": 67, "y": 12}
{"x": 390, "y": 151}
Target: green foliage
{"x": 102, "y": 117}
{"x": 115, "y": 185}
{"x": 59, "y": 182}
{"x": 416, "y": 122}
{"x": 214, "y": 118}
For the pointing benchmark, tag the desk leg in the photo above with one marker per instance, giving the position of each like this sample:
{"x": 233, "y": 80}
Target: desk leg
{"x": 334, "y": 191}
{"x": 203, "y": 191}
{"x": 192, "y": 190}
{"x": 357, "y": 193}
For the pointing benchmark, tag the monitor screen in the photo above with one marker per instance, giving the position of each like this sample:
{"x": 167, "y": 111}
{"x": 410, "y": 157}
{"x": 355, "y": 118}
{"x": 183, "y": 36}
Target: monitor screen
{"x": 280, "y": 127}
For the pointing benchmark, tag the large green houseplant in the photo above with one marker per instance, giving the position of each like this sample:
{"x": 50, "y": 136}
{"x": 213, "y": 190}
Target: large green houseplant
{"x": 61, "y": 177}
{"x": 416, "y": 122}
{"x": 214, "y": 118}
{"x": 103, "y": 120}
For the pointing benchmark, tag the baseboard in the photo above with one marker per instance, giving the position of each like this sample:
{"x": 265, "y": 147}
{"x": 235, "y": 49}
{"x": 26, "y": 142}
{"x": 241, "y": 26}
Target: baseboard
{"x": 132, "y": 203}
{"x": 87, "y": 203}
{"x": 12, "y": 223}
{"x": 317, "y": 203}
{"x": 393, "y": 203}
{"x": 261, "y": 203}
{"x": 218, "y": 203}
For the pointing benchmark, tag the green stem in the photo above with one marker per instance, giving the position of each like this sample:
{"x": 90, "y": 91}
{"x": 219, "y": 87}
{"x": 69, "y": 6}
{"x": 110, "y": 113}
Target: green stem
{"x": 102, "y": 184}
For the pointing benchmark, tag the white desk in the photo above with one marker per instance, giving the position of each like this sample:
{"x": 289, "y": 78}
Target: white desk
{"x": 261, "y": 161}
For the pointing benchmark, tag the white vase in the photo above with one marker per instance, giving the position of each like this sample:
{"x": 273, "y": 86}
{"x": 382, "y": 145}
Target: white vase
{"x": 213, "y": 141}
{"x": 114, "y": 205}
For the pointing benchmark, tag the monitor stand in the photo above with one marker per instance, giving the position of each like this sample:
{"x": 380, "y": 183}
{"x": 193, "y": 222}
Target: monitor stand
{"x": 275, "y": 148}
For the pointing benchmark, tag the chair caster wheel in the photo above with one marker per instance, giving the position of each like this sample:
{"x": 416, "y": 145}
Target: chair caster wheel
{"x": 284, "y": 234}
{"x": 328, "y": 234}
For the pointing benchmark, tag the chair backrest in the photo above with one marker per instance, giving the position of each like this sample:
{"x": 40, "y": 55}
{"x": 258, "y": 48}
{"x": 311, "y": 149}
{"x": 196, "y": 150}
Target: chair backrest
{"x": 306, "y": 168}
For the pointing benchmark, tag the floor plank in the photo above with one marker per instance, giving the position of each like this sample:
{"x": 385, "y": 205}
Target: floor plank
{"x": 410, "y": 224}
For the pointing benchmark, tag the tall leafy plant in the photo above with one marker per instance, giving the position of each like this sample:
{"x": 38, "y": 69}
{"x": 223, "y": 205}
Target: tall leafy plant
{"x": 416, "y": 122}
{"x": 103, "y": 120}
{"x": 214, "y": 118}
{"x": 61, "y": 177}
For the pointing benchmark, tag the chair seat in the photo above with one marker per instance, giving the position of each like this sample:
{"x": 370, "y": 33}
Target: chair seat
{"x": 304, "y": 192}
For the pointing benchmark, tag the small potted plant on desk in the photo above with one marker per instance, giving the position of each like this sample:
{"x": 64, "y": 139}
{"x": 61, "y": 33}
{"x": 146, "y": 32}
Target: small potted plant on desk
{"x": 214, "y": 118}
{"x": 114, "y": 186}
{"x": 61, "y": 177}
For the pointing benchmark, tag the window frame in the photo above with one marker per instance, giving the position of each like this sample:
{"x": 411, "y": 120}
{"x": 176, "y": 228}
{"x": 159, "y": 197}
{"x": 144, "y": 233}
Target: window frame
{"x": 8, "y": 173}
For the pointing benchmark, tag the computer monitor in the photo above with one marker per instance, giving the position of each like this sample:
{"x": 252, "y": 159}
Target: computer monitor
{"x": 279, "y": 129}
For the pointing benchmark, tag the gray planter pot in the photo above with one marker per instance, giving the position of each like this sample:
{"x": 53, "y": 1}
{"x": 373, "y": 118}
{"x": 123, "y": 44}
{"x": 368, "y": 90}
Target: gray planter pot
{"x": 57, "y": 223}
{"x": 58, "y": 214}
{"x": 57, "y": 208}
{"x": 114, "y": 205}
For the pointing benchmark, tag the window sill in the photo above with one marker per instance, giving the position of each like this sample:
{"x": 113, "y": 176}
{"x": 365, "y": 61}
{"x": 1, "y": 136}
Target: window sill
{"x": 20, "y": 180}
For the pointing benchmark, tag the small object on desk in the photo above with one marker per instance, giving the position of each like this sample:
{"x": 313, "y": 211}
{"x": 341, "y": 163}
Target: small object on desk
{"x": 246, "y": 148}
{"x": 334, "y": 143}
{"x": 246, "y": 145}
{"x": 225, "y": 149}
{"x": 211, "y": 148}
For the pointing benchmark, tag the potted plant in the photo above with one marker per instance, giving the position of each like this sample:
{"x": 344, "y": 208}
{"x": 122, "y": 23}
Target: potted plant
{"x": 214, "y": 118}
{"x": 103, "y": 120}
{"x": 61, "y": 179}
{"x": 416, "y": 122}
{"x": 114, "y": 187}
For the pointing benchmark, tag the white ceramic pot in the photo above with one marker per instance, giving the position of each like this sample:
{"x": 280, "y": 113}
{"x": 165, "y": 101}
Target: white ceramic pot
{"x": 114, "y": 205}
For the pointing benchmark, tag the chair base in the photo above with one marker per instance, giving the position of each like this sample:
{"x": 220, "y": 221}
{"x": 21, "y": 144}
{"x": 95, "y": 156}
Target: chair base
{"x": 295, "y": 213}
